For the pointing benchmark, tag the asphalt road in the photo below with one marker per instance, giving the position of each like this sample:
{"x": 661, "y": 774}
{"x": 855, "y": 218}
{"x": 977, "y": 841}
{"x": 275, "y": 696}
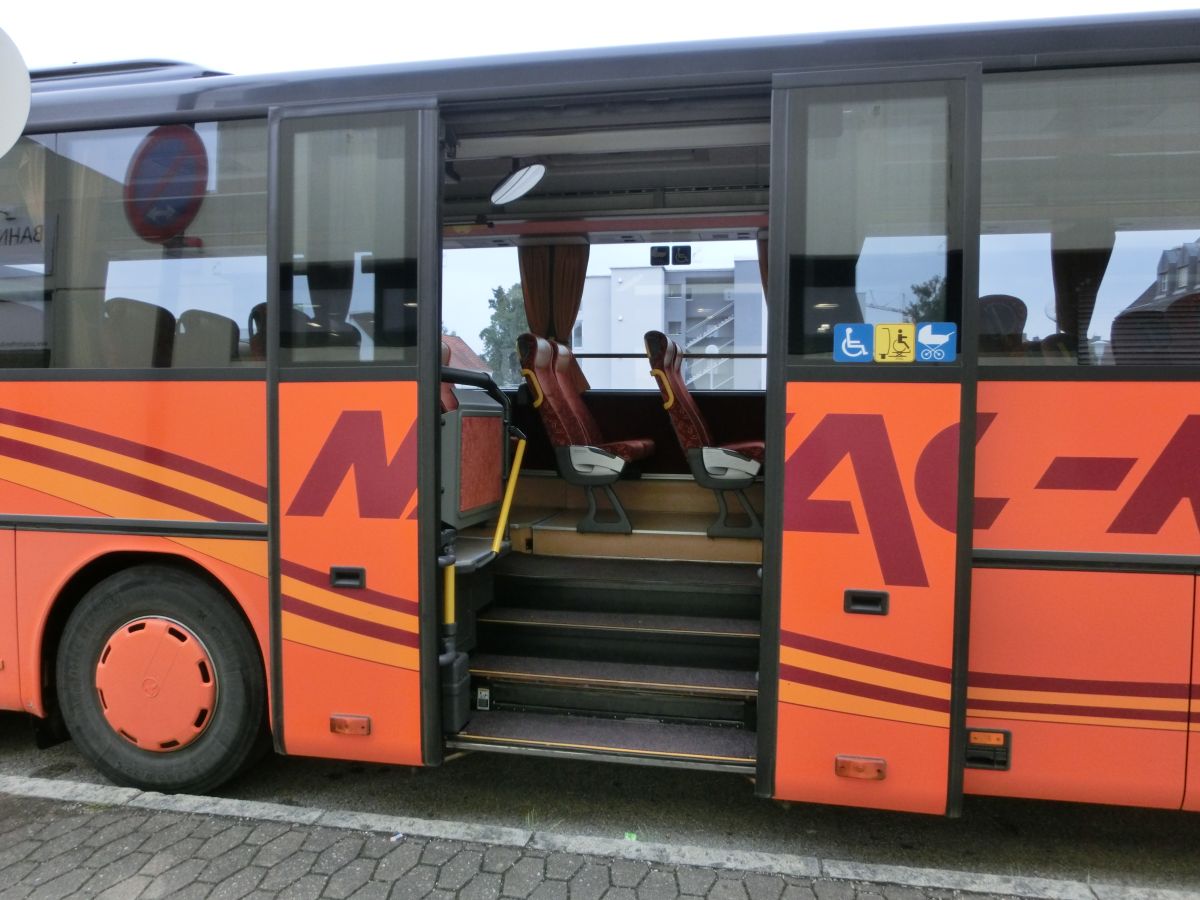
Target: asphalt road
{"x": 1051, "y": 840}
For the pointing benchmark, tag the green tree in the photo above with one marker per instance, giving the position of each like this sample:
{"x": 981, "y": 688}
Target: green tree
{"x": 930, "y": 302}
{"x": 500, "y": 337}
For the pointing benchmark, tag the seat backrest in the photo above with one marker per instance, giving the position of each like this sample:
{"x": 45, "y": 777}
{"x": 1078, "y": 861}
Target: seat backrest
{"x": 565, "y": 368}
{"x": 537, "y": 365}
{"x": 666, "y": 365}
{"x": 205, "y": 340}
{"x": 137, "y": 335}
{"x": 1001, "y": 323}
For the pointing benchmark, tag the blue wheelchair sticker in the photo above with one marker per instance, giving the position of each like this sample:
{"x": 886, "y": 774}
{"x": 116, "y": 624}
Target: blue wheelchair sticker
{"x": 937, "y": 342}
{"x": 853, "y": 343}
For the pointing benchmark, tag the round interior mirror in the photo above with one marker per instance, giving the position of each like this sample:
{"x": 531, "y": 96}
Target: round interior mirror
{"x": 518, "y": 184}
{"x": 14, "y": 93}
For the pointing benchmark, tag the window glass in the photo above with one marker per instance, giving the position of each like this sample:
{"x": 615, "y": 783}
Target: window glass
{"x": 713, "y": 306}
{"x": 150, "y": 248}
{"x": 24, "y": 341}
{"x": 1091, "y": 217}
{"x": 870, "y": 193}
{"x": 349, "y": 240}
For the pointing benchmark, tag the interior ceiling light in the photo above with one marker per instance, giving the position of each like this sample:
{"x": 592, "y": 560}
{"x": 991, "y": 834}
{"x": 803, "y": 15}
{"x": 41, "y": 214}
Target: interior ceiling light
{"x": 518, "y": 183}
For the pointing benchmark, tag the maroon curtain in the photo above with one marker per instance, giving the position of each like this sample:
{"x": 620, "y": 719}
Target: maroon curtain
{"x": 535, "y": 263}
{"x": 570, "y": 270}
{"x": 552, "y": 279}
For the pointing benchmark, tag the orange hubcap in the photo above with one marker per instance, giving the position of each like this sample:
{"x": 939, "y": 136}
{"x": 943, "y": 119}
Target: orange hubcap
{"x": 156, "y": 683}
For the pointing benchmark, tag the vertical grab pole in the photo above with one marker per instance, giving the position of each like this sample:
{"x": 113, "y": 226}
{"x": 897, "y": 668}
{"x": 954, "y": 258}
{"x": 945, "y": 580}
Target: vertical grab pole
{"x": 509, "y": 490}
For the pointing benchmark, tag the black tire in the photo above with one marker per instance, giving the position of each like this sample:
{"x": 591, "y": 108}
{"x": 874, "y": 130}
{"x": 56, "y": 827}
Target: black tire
{"x": 234, "y": 736}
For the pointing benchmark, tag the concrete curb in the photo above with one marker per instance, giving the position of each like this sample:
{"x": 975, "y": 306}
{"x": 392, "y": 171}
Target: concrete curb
{"x": 667, "y": 854}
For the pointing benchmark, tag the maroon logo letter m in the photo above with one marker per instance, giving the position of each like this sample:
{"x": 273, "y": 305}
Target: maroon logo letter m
{"x": 357, "y": 442}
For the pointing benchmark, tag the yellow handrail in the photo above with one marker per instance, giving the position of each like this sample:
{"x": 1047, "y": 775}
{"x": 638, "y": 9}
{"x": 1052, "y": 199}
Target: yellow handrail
{"x": 537, "y": 388}
{"x": 666, "y": 386}
{"x": 451, "y": 612}
{"x": 509, "y": 490}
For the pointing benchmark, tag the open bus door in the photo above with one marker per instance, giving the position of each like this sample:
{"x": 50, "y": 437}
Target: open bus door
{"x": 873, "y": 267}
{"x": 353, "y": 383}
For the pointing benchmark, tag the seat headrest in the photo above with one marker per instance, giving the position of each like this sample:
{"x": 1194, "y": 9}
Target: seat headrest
{"x": 562, "y": 356}
{"x": 656, "y": 347}
{"x": 445, "y": 354}
{"x": 535, "y": 352}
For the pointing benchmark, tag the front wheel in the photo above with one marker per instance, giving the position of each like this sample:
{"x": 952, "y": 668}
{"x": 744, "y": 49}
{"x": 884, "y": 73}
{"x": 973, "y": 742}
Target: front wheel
{"x": 160, "y": 682}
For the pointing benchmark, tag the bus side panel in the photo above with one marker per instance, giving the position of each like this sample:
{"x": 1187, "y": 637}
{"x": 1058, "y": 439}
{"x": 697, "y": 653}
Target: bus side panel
{"x": 10, "y": 672}
{"x": 348, "y": 499}
{"x": 1191, "y": 798}
{"x": 168, "y": 450}
{"x": 869, "y": 504}
{"x": 46, "y": 561}
{"x": 1089, "y": 673}
{"x": 1102, "y": 467}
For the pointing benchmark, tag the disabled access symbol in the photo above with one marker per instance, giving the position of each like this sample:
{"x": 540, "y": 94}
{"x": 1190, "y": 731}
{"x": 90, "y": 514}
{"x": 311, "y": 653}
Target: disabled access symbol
{"x": 853, "y": 342}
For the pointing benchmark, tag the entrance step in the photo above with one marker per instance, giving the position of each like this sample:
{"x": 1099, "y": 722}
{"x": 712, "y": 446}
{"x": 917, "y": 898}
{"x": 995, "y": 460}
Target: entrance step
{"x": 733, "y": 683}
{"x": 626, "y": 740}
{"x": 656, "y": 535}
{"x": 638, "y": 587}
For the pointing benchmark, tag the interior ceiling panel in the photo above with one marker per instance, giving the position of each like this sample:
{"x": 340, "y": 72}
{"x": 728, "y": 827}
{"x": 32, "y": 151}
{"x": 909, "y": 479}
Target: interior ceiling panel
{"x": 639, "y": 159}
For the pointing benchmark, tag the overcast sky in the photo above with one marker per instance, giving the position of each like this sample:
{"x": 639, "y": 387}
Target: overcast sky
{"x": 245, "y": 36}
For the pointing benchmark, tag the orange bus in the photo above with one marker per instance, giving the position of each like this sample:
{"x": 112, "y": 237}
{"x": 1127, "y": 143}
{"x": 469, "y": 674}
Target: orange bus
{"x": 820, "y": 409}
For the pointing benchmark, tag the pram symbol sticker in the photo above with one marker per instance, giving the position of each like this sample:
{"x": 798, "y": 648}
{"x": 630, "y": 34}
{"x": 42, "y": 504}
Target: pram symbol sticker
{"x": 894, "y": 342}
{"x": 936, "y": 342}
{"x": 853, "y": 342}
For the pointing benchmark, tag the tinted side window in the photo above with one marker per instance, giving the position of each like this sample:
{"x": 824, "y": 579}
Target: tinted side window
{"x": 152, "y": 251}
{"x": 1091, "y": 217}
{"x": 348, "y": 285}
{"x": 870, "y": 237}
{"x": 24, "y": 341}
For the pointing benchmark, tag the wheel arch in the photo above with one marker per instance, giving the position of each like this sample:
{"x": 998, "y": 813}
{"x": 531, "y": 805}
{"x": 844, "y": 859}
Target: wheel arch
{"x": 87, "y": 577}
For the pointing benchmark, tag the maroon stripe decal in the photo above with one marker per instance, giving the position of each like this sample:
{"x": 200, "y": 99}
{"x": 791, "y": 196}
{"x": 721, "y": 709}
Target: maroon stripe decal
{"x": 1085, "y": 473}
{"x": 320, "y": 579}
{"x": 134, "y": 484}
{"x": 349, "y": 623}
{"x": 141, "y": 452}
{"x": 847, "y": 653}
{"x": 862, "y": 689}
{"x": 1077, "y": 685}
{"x": 1064, "y": 709}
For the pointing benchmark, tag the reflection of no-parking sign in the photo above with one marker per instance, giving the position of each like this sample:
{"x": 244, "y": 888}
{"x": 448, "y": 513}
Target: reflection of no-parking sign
{"x": 936, "y": 341}
{"x": 165, "y": 184}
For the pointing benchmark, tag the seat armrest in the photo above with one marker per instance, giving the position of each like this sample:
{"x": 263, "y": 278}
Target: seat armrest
{"x": 585, "y": 465}
{"x": 587, "y": 460}
{"x": 721, "y": 464}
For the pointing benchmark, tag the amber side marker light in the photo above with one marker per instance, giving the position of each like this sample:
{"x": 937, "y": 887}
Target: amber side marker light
{"x": 868, "y": 768}
{"x": 989, "y": 749}
{"x": 350, "y": 724}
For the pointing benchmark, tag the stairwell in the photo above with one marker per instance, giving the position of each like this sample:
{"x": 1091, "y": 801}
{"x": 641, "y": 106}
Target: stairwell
{"x": 635, "y": 660}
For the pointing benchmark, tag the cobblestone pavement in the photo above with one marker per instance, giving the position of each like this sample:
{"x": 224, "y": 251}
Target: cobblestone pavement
{"x": 51, "y": 849}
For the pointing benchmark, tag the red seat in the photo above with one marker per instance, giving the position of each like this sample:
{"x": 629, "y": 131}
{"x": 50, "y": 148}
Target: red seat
{"x": 719, "y": 467}
{"x": 583, "y": 456}
{"x": 628, "y": 450}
